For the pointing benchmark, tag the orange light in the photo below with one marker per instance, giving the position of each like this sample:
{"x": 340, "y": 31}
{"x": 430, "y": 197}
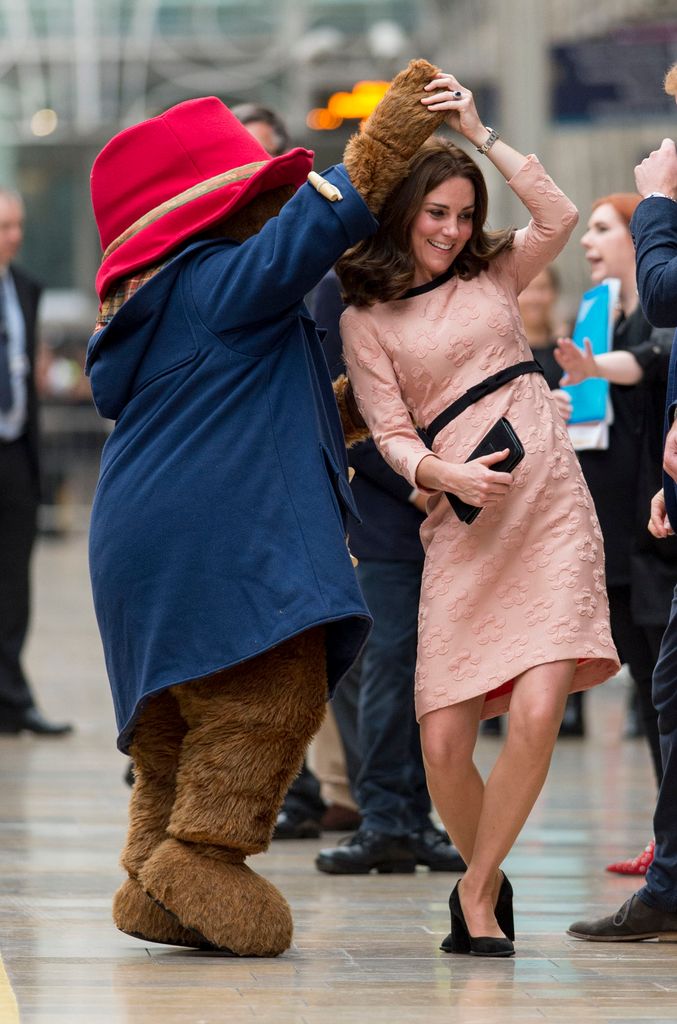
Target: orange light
{"x": 321, "y": 120}
{"x": 360, "y": 102}
{"x": 356, "y": 106}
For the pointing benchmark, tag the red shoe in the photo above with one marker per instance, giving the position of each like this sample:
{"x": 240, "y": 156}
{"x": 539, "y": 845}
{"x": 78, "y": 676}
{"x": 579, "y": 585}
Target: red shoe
{"x": 636, "y": 866}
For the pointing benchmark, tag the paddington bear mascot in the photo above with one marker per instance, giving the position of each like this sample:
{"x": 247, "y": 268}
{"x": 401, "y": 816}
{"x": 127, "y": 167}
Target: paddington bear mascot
{"x": 223, "y": 586}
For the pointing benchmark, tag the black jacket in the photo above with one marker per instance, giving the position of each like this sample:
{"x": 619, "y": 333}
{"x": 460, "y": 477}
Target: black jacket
{"x": 28, "y": 292}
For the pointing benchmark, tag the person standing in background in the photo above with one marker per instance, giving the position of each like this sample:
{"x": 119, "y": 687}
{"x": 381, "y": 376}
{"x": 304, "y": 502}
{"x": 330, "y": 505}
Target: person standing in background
{"x": 19, "y": 474}
{"x": 396, "y": 832}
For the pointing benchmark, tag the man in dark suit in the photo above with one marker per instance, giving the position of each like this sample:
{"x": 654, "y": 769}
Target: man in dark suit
{"x": 652, "y": 911}
{"x": 19, "y": 487}
{"x": 396, "y": 832}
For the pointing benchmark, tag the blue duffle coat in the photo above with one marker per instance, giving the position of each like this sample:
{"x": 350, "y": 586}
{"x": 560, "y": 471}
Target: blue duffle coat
{"x": 219, "y": 522}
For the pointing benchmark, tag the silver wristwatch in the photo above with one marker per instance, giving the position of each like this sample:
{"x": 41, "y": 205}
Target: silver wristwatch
{"x": 488, "y": 143}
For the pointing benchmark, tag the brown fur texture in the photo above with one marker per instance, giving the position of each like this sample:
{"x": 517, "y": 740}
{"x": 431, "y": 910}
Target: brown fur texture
{"x": 248, "y": 731}
{"x": 135, "y": 913}
{"x": 354, "y": 427}
{"x": 227, "y": 903}
{"x": 377, "y": 159}
{"x": 155, "y": 749}
{"x": 670, "y": 83}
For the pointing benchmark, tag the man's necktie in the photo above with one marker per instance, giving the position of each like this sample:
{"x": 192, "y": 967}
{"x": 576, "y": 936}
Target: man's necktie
{"x": 6, "y": 397}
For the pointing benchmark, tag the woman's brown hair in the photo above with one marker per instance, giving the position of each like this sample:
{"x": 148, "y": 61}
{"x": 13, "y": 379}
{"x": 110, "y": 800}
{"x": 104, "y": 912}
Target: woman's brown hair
{"x": 381, "y": 268}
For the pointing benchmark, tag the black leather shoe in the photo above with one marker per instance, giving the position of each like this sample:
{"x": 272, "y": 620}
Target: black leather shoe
{"x": 295, "y": 826}
{"x": 32, "y": 720}
{"x": 635, "y": 921}
{"x": 368, "y": 851}
{"x": 434, "y": 849}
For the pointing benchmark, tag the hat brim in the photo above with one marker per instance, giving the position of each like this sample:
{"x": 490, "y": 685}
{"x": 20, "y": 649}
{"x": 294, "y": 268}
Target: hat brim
{"x": 163, "y": 234}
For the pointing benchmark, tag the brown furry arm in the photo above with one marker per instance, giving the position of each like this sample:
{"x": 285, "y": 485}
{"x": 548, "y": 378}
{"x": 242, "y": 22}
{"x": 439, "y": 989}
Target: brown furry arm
{"x": 354, "y": 427}
{"x": 377, "y": 159}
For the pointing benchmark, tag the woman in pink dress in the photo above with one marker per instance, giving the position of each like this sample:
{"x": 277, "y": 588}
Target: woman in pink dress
{"x": 514, "y": 613}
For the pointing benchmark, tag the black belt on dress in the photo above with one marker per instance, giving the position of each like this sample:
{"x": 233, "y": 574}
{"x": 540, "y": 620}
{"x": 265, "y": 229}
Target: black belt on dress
{"x": 477, "y": 391}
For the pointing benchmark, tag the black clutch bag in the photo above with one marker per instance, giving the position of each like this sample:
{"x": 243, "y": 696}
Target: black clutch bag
{"x": 500, "y": 437}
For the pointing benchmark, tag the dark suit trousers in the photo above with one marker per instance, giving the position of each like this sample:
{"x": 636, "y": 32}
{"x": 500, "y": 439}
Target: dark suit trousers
{"x": 661, "y": 878}
{"x": 18, "y": 513}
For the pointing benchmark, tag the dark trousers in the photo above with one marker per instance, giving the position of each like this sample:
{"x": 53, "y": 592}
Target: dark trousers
{"x": 638, "y": 647}
{"x": 18, "y": 512}
{"x": 391, "y": 789}
{"x": 374, "y": 710}
{"x": 661, "y": 879}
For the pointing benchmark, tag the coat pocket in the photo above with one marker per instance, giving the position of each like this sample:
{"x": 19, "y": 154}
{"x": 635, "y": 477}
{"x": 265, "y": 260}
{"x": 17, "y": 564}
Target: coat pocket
{"x": 343, "y": 495}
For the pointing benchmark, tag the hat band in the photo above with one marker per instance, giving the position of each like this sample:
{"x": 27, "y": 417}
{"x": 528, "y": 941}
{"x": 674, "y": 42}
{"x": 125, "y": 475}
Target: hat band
{"x": 203, "y": 188}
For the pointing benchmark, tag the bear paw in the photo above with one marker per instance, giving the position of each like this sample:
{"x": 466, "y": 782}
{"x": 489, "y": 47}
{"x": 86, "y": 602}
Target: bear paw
{"x": 135, "y": 913}
{"x": 228, "y": 904}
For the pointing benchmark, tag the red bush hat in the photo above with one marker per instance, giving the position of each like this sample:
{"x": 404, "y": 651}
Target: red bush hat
{"x": 163, "y": 180}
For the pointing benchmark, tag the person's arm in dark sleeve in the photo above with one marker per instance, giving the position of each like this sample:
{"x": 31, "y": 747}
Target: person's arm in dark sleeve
{"x": 653, "y": 355}
{"x": 654, "y": 230}
{"x": 326, "y": 306}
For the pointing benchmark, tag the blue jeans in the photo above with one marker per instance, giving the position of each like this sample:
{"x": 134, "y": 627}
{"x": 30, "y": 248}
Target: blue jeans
{"x": 660, "y": 890}
{"x": 391, "y": 788}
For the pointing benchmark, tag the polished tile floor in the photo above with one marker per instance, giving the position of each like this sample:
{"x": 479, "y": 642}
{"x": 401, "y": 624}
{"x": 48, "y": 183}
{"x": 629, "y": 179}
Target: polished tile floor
{"x": 366, "y": 949}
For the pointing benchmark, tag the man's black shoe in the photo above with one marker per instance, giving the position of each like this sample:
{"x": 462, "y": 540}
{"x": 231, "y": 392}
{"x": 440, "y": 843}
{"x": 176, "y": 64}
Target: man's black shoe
{"x": 434, "y": 849}
{"x": 31, "y": 720}
{"x": 295, "y": 826}
{"x": 368, "y": 851}
{"x": 634, "y": 922}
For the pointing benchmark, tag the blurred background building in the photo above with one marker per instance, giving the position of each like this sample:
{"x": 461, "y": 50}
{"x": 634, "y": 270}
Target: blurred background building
{"x": 577, "y": 82}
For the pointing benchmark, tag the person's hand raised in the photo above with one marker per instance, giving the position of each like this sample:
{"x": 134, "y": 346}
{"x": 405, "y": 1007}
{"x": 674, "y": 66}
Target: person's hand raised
{"x": 658, "y": 171}
{"x": 447, "y": 93}
{"x": 578, "y": 365}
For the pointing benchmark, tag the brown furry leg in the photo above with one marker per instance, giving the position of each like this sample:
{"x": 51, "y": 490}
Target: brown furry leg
{"x": 248, "y": 730}
{"x": 155, "y": 749}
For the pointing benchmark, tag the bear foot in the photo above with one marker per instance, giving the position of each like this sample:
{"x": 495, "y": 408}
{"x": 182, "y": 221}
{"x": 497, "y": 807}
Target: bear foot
{"x": 136, "y": 914}
{"x": 226, "y": 903}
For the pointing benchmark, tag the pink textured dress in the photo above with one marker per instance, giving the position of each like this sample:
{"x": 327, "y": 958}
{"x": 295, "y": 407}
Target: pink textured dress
{"x": 524, "y": 584}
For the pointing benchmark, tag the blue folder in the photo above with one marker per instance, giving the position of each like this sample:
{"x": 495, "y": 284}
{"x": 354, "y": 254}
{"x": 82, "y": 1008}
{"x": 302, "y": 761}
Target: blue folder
{"x": 594, "y": 321}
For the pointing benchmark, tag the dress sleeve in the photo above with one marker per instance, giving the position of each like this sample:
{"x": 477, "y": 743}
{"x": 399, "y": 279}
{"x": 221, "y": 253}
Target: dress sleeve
{"x": 553, "y": 218}
{"x": 379, "y": 398}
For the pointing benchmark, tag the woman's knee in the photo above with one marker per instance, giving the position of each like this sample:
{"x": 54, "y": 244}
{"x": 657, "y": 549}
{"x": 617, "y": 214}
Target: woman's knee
{"x": 539, "y": 719}
{"x": 447, "y": 745}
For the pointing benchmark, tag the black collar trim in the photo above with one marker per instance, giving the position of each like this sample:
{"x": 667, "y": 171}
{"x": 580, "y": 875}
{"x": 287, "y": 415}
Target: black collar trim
{"x": 421, "y": 289}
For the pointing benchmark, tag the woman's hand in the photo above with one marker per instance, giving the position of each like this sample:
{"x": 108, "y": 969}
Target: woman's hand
{"x": 448, "y": 94}
{"x": 474, "y": 482}
{"x": 576, "y": 364}
{"x": 659, "y": 524}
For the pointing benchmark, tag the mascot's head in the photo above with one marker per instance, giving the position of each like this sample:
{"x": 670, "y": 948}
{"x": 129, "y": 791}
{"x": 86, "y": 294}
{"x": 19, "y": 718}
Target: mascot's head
{"x": 191, "y": 171}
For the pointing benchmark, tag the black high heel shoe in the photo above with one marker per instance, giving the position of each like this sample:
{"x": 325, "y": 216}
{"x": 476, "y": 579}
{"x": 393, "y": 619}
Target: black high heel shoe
{"x": 503, "y": 909}
{"x": 460, "y": 940}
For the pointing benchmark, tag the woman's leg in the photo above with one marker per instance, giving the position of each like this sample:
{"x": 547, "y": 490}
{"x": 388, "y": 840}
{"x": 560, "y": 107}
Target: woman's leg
{"x": 536, "y": 708}
{"x": 484, "y": 820}
{"x": 448, "y": 738}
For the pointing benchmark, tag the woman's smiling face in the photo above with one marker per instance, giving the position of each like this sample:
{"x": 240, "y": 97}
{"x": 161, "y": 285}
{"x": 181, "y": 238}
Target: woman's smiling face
{"x": 441, "y": 228}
